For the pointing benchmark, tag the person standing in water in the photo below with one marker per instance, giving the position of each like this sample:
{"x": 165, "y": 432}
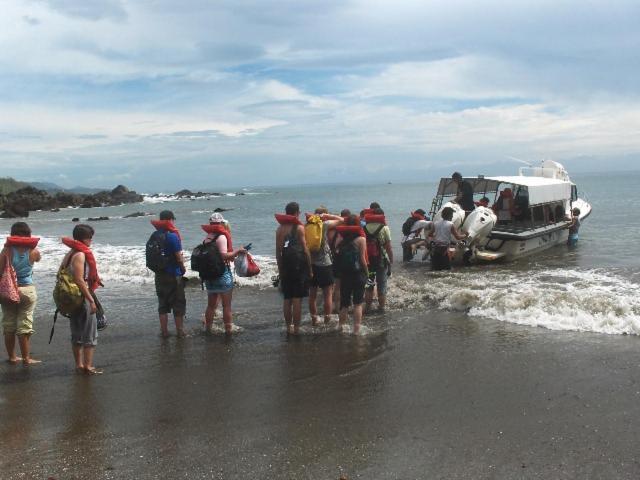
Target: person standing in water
{"x": 351, "y": 263}
{"x": 321, "y": 264}
{"x": 17, "y": 319}
{"x": 81, "y": 265}
{"x": 220, "y": 288}
{"x": 294, "y": 265}
{"x": 574, "y": 227}
{"x": 169, "y": 280}
{"x": 444, "y": 233}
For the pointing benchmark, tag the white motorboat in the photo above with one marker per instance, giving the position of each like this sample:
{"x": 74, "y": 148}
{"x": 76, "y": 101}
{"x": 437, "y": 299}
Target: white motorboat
{"x": 530, "y": 213}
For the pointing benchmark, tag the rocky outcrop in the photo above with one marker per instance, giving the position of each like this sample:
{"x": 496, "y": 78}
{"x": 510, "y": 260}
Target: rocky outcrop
{"x": 20, "y": 202}
{"x": 138, "y": 214}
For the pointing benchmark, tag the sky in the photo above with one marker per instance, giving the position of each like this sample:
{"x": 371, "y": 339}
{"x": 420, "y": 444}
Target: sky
{"x": 161, "y": 95}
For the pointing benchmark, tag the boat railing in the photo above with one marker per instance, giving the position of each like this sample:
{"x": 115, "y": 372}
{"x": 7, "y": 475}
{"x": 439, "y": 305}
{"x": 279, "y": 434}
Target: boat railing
{"x": 538, "y": 172}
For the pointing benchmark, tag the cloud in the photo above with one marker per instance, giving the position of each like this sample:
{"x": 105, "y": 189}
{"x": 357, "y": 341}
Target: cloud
{"x": 90, "y": 9}
{"x": 313, "y": 87}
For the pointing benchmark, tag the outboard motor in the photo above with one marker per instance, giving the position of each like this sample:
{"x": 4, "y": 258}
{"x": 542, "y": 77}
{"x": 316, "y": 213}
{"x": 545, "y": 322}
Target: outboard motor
{"x": 479, "y": 224}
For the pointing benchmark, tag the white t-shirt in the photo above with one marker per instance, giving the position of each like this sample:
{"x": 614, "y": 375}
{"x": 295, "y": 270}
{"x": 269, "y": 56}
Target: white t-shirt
{"x": 443, "y": 235}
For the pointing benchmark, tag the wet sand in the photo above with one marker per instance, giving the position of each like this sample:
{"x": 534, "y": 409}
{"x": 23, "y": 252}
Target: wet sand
{"x": 423, "y": 395}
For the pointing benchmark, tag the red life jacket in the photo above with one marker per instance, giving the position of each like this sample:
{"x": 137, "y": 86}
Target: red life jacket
{"x": 287, "y": 219}
{"x": 217, "y": 229}
{"x": 16, "y": 241}
{"x": 93, "y": 279}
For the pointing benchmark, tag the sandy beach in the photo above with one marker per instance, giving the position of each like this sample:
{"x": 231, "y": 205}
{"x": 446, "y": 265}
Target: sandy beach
{"x": 432, "y": 395}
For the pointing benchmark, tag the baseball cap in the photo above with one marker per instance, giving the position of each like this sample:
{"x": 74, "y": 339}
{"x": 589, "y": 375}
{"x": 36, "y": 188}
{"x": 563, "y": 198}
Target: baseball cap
{"x": 216, "y": 218}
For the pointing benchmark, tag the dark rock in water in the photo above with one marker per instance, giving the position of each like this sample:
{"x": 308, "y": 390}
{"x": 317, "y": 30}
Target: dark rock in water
{"x": 220, "y": 209}
{"x": 184, "y": 193}
{"x": 22, "y": 201}
{"x": 240, "y": 193}
{"x": 15, "y": 211}
{"x": 137, "y": 214}
{"x": 75, "y": 219}
{"x": 97, "y": 219}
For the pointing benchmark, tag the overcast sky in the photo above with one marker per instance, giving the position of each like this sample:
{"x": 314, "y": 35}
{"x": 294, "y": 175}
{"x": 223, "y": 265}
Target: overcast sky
{"x": 166, "y": 94}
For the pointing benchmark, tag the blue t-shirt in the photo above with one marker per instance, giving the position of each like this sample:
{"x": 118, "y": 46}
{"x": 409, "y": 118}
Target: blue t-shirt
{"x": 171, "y": 247}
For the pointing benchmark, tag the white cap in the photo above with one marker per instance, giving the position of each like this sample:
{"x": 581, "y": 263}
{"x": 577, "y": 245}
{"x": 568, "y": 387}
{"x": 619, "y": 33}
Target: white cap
{"x": 217, "y": 218}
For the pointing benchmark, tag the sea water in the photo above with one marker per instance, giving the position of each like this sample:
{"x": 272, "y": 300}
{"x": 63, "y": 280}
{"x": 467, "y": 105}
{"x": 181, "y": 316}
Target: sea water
{"x": 592, "y": 288}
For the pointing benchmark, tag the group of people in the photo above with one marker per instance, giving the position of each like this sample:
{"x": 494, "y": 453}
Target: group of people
{"x": 345, "y": 257}
{"x": 18, "y": 257}
{"x": 349, "y": 259}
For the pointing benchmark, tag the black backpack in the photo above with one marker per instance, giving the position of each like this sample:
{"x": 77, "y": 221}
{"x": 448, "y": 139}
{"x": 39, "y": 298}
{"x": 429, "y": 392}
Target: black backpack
{"x": 207, "y": 261}
{"x": 294, "y": 260}
{"x": 406, "y": 226}
{"x": 156, "y": 260}
{"x": 347, "y": 259}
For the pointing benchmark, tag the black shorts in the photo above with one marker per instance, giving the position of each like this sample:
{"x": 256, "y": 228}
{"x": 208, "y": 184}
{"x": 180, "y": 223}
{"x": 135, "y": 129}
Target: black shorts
{"x": 322, "y": 276}
{"x": 170, "y": 291}
{"x": 352, "y": 289}
{"x": 440, "y": 258}
{"x": 294, "y": 287}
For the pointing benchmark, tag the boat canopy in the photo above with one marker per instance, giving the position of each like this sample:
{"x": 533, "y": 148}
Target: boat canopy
{"x": 540, "y": 190}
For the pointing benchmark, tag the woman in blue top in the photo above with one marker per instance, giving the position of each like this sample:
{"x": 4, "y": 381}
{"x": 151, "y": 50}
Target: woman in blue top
{"x": 20, "y": 249}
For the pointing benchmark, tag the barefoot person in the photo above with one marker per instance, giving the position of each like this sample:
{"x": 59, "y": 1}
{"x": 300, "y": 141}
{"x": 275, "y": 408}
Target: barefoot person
{"x": 379, "y": 256}
{"x": 321, "y": 264}
{"x": 169, "y": 278}
{"x": 81, "y": 265}
{"x": 351, "y": 263}
{"x": 17, "y": 319}
{"x": 294, "y": 265}
{"x": 220, "y": 288}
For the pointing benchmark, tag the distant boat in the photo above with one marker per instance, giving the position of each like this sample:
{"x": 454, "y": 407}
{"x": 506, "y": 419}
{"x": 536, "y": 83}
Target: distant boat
{"x": 537, "y": 216}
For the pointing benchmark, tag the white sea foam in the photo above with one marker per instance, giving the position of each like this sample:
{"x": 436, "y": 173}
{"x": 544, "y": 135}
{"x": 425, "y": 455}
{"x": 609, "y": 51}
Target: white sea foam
{"x": 164, "y": 197}
{"x": 126, "y": 264}
{"x": 590, "y": 300}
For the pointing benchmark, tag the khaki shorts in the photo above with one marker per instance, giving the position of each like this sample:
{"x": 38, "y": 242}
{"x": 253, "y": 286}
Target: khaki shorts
{"x": 18, "y": 319}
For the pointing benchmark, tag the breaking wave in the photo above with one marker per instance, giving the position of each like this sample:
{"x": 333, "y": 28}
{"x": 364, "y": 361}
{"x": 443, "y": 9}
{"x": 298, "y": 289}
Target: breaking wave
{"x": 589, "y": 300}
{"x": 126, "y": 264}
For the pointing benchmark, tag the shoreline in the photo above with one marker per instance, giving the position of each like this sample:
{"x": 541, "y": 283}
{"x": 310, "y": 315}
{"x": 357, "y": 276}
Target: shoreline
{"x": 425, "y": 394}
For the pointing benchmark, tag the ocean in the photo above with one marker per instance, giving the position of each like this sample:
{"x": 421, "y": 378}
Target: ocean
{"x": 590, "y": 289}
{"x": 515, "y": 370}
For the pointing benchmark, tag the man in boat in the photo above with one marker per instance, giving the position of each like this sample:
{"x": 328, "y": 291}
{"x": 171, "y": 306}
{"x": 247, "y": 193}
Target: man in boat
{"x": 464, "y": 198}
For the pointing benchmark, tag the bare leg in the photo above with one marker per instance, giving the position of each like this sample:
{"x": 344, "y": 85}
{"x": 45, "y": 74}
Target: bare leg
{"x": 342, "y": 317}
{"x": 357, "y": 318}
{"x": 313, "y": 308}
{"x": 382, "y": 300}
{"x": 210, "y": 312}
{"x": 336, "y": 296}
{"x": 368, "y": 299}
{"x": 164, "y": 320}
{"x": 227, "y": 315}
{"x": 88, "y": 351}
{"x": 288, "y": 318}
{"x": 77, "y": 356}
{"x": 10, "y": 344}
{"x": 296, "y": 304}
{"x": 25, "y": 348}
{"x": 179, "y": 319}
{"x": 327, "y": 293}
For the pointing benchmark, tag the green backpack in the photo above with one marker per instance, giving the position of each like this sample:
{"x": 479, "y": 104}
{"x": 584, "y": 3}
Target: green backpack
{"x": 66, "y": 294}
